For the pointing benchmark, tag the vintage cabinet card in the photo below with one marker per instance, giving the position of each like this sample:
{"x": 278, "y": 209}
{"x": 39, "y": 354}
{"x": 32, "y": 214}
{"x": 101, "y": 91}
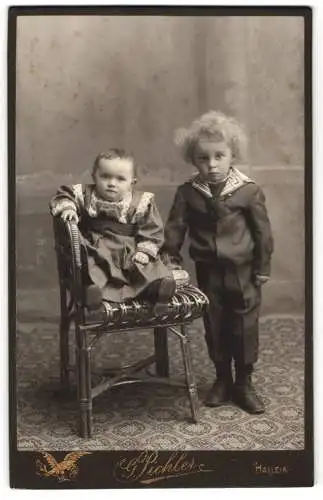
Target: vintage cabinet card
{"x": 160, "y": 160}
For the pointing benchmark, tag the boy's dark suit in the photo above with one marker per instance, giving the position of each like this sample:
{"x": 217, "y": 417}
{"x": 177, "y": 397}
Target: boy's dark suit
{"x": 231, "y": 242}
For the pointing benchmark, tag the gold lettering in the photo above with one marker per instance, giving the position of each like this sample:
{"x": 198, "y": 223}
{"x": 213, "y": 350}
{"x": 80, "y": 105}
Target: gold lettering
{"x": 146, "y": 467}
{"x": 270, "y": 469}
{"x": 150, "y": 458}
{"x": 167, "y": 468}
{"x": 177, "y": 467}
{"x": 258, "y": 467}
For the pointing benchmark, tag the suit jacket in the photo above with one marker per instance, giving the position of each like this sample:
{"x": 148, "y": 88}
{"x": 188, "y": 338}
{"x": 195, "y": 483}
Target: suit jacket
{"x": 232, "y": 225}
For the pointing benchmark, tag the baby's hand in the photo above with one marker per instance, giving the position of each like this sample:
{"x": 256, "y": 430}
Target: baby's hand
{"x": 261, "y": 279}
{"x": 141, "y": 257}
{"x": 70, "y": 215}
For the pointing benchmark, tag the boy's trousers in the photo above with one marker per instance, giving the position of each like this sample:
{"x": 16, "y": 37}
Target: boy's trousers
{"x": 231, "y": 322}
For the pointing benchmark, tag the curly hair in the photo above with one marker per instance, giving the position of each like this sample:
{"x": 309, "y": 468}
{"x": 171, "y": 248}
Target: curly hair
{"x": 111, "y": 154}
{"x": 213, "y": 125}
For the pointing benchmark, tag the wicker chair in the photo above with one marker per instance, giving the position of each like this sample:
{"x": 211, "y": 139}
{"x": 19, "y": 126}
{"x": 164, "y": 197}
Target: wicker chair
{"x": 187, "y": 305}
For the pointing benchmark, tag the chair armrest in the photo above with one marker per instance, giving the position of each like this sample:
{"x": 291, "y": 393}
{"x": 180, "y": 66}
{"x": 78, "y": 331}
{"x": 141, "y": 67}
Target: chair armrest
{"x": 74, "y": 235}
{"x": 70, "y": 256}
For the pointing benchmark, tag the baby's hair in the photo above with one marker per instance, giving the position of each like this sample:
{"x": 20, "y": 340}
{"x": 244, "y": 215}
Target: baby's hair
{"x": 112, "y": 153}
{"x": 213, "y": 125}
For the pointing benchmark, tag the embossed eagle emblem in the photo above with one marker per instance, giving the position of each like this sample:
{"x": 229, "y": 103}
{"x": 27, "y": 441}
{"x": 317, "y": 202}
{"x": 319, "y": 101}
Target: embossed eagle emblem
{"x": 66, "y": 470}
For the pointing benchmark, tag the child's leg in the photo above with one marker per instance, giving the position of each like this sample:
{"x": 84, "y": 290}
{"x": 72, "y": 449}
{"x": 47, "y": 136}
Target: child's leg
{"x": 93, "y": 281}
{"x": 159, "y": 292}
{"x": 243, "y": 301}
{"x": 217, "y": 335}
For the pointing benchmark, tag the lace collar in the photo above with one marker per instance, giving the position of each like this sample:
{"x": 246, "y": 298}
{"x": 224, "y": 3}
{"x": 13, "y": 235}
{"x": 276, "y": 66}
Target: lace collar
{"x": 234, "y": 181}
{"x": 115, "y": 209}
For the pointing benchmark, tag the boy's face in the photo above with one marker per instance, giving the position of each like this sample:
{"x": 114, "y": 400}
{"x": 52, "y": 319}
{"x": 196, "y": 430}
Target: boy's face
{"x": 114, "y": 178}
{"x": 213, "y": 160}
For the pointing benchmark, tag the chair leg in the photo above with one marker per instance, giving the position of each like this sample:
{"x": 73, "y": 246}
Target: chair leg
{"x": 83, "y": 381}
{"x": 161, "y": 352}
{"x": 190, "y": 379}
{"x": 64, "y": 343}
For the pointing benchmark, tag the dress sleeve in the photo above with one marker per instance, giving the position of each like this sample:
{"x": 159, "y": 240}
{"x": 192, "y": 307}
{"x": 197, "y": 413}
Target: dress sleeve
{"x": 150, "y": 234}
{"x": 67, "y": 198}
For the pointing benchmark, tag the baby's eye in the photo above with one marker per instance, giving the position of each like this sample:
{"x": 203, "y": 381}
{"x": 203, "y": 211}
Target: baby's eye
{"x": 120, "y": 178}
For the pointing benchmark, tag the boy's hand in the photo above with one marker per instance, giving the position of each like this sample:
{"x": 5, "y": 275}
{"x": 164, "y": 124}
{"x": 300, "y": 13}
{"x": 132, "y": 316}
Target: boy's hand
{"x": 141, "y": 257}
{"x": 70, "y": 215}
{"x": 261, "y": 279}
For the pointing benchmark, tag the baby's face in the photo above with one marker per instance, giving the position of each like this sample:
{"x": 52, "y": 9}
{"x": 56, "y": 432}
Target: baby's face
{"x": 213, "y": 160}
{"x": 114, "y": 178}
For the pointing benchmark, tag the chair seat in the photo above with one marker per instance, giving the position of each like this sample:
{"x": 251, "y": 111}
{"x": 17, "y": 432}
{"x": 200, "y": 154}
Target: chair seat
{"x": 187, "y": 304}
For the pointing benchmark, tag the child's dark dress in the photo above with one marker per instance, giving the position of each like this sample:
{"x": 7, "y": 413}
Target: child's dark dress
{"x": 112, "y": 233}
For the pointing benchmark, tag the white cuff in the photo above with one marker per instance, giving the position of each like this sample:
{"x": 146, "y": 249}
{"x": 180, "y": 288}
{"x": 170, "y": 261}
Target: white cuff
{"x": 61, "y": 206}
{"x": 148, "y": 247}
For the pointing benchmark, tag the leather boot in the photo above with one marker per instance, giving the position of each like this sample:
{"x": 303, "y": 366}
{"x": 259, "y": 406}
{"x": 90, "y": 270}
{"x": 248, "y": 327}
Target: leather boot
{"x": 221, "y": 391}
{"x": 165, "y": 290}
{"x": 244, "y": 393}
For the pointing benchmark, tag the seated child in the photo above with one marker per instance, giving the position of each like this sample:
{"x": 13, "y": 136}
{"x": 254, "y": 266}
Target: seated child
{"x": 122, "y": 232}
{"x": 231, "y": 244}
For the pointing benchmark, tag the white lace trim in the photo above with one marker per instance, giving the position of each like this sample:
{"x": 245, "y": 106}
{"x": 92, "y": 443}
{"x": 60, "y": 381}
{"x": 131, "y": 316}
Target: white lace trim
{"x": 143, "y": 205}
{"x": 122, "y": 206}
{"x": 78, "y": 193}
{"x": 63, "y": 205}
{"x": 148, "y": 247}
{"x": 234, "y": 181}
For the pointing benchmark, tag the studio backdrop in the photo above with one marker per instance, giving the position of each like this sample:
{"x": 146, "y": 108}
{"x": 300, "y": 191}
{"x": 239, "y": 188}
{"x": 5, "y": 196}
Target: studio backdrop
{"x": 88, "y": 83}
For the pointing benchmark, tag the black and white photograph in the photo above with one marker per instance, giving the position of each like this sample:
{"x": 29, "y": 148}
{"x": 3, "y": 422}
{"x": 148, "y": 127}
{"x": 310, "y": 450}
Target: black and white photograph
{"x": 160, "y": 219}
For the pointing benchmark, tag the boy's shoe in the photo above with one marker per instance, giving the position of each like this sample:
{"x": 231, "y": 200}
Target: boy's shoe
{"x": 93, "y": 297}
{"x": 245, "y": 396}
{"x": 220, "y": 393}
{"x": 166, "y": 290}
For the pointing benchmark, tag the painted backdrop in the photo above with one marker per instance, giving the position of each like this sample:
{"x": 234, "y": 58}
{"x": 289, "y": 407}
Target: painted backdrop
{"x": 88, "y": 83}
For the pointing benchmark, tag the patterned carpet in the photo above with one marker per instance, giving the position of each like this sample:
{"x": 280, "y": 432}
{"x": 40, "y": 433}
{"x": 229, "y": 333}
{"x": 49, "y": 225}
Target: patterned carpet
{"x": 156, "y": 417}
